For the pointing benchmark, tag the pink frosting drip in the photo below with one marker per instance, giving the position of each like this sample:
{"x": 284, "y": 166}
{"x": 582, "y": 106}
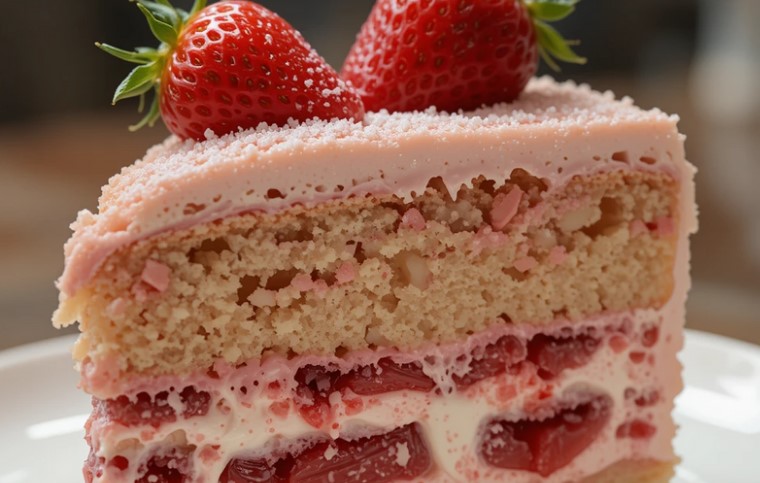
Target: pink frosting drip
{"x": 555, "y": 131}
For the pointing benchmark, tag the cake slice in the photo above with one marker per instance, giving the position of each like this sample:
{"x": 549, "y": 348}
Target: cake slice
{"x": 496, "y": 295}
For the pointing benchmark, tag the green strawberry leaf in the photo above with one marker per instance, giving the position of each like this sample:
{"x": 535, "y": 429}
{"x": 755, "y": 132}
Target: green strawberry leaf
{"x": 552, "y": 46}
{"x": 163, "y": 31}
{"x": 166, "y": 22}
{"x": 164, "y": 12}
{"x": 137, "y": 57}
{"x": 555, "y": 45}
{"x": 551, "y": 10}
{"x": 151, "y": 117}
{"x": 138, "y": 82}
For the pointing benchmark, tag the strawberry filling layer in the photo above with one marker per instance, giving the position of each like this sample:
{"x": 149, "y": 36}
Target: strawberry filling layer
{"x": 535, "y": 402}
{"x": 315, "y": 385}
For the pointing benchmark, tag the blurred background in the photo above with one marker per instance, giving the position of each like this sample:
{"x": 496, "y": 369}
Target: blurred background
{"x": 60, "y": 139}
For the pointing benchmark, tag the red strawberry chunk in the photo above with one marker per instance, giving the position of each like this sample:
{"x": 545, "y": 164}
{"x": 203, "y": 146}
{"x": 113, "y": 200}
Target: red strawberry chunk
{"x": 544, "y": 446}
{"x": 555, "y": 354}
{"x": 258, "y": 471}
{"x": 636, "y": 429}
{"x": 495, "y": 360}
{"x": 144, "y": 409}
{"x": 315, "y": 384}
{"x": 170, "y": 467}
{"x": 650, "y": 336}
{"x": 162, "y": 472}
{"x": 386, "y": 376}
{"x": 398, "y": 455}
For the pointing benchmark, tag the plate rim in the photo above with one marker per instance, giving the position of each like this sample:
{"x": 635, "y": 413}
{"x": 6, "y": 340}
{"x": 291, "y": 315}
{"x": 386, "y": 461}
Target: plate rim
{"x": 35, "y": 351}
{"x": 702, "y": 337}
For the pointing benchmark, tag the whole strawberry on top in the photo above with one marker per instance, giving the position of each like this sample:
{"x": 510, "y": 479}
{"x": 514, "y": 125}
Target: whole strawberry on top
{"x": 231, "y": 65}
{"x": 454, "y": 54}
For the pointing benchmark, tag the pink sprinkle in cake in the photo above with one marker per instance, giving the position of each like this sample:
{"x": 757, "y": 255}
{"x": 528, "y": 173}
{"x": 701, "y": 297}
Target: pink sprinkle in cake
{"x": 490, "y": 295}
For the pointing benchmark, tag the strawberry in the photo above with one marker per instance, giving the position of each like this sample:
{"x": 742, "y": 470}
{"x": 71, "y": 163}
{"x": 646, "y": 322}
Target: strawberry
{"x": 229, "y": 66}
{"x": 454, "y": 54}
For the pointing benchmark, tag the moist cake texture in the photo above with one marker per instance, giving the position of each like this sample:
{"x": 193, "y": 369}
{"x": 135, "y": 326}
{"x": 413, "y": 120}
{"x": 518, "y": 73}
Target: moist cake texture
{"x": 289, "y": 301}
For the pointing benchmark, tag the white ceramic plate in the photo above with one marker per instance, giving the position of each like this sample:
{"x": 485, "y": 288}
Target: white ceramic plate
{"x": 42, "y": 413}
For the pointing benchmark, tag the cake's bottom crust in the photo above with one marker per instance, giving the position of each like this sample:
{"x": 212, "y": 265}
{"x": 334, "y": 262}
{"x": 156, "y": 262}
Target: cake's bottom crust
{"x": 635, "y": 471}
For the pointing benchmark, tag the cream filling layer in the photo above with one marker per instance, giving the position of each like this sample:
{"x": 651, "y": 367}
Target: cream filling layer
{"x": 452, "y": 423}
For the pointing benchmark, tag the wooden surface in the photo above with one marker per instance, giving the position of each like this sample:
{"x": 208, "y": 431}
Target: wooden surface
{"x": 51, "y": 169}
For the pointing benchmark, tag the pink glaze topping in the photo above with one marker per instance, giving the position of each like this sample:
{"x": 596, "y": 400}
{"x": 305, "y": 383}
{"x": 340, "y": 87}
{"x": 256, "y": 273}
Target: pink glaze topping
{"x": 554, "y": 131}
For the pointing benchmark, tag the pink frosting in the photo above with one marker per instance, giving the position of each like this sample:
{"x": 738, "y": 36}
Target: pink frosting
{"x": 555, "y": 131}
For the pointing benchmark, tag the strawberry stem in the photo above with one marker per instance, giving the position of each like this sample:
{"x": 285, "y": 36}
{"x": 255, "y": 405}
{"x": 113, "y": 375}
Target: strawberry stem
{"x": 166, "y": 23}
{"x": 552, "y": 46}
